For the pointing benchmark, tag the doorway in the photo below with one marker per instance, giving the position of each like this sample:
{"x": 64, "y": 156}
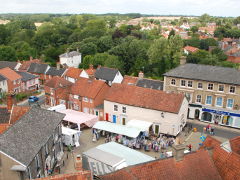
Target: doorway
{"x": 114, "y": 118}
{"x": 107, "y": 117}
{"x": 197, "y": 114}
{"x": 123, "y": 121}
{"x": 156, "y": 129}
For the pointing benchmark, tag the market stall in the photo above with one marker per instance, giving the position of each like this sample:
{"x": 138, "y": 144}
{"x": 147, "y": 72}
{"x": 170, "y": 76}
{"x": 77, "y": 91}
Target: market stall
{"x": 139, "y": 124}
{"x": 117, "y": 129}
{"x": 79, "y": 117}
{"x": 70, "y": 136}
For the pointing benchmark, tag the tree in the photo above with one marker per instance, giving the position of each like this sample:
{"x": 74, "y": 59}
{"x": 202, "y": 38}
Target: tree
{"x": 24, "y": 50}
{"x": 202, "y": 57}
{"x": 3, "y": 34}
{"x": 7, "y": 53}
{"x": 172, "y": 33}
{"x": 194, "y": 29}
{"x": 105, "y": 43}
{"x": 88, "y": 49}
{"x": 205, "y": 43}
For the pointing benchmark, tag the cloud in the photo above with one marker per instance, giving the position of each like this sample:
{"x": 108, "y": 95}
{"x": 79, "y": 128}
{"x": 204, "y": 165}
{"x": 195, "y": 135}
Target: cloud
{"x": 183, "y": 7}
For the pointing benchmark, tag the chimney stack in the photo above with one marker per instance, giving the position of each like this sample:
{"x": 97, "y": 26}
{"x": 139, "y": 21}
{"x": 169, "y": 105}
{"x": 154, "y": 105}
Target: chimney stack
{"x": 178, "y": 152}
{"x": 91, "y": 66}
{"x": 140, "y": 75}
{"x": 10, "y": 101}
{"x": 183, "y": 60}
{"x": 58, "y": 65}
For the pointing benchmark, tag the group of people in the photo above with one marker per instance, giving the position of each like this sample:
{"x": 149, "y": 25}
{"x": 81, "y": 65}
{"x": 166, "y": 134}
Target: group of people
{"x": 209, "y": 129}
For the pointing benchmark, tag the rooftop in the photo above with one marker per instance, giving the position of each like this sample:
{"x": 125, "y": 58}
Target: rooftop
{"x": 4, "y": 115}
{"x": 145, "y": 98}
{"x": 10, "y": 74}
{"x": 106, "y": 73}
{"x": 29, "y": 134}
{"x": 206, "y": 73}
{"x": 38, "y": 68}
{"x": 57, "y": 82}
{"x": 26, "y": 76}
{"x": 11, "y": 65}
{"x": 53, "y": 71}
{"x": 73, "y": 72}
{"x": 70, "y": 54}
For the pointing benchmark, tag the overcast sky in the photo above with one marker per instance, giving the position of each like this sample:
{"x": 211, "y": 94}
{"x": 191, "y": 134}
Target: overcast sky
{"x": 160, "y": 7}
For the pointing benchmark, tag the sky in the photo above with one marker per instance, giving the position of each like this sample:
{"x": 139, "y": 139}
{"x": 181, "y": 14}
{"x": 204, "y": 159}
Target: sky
{"x": 157, "y": 7}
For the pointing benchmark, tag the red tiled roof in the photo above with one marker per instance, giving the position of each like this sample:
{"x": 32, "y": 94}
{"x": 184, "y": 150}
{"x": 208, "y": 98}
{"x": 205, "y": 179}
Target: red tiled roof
{"x": 191, "y": 49}
{"x": 145, "y": 98}
{"x": 211, "y": 142}
{"x": 194, "y": 166}
{"x": 129, "y": 80}
{"x": 73, "y": 72}
{"x": 57, "y": 81}
{"x": 17, "y": 113}
{"x": 26, "y": 64}
{"x": 4, "y": 127}
{"x": 235, "y": 144}
{"x": 82, "y": 175}
{"x": 10, "y": 74}
{"x": 87, "y": 87}
{"x": 233, "y": 59}
{"x": 90, "y": 71}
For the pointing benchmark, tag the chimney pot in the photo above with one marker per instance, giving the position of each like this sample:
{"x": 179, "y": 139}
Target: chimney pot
{"x": 183, "y": 60}
{"x": 178, "y": 152}
{"x": 58, "y": 66}
{"x": 140, "y": 75}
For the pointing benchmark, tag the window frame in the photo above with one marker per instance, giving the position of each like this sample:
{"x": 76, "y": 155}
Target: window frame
{"x": 212, "y": 87}
{"x": 85, "y": 99}
{"x": 219, "y": 87}
{"x": 200, "y": 98}
{"x": 228, "y": 103}
{"x": 234, "y": 89}
{"x": 124, "y": 111}
{"x": 115, "y": 107}
{"x": 207, "y": 100}
{"x": 191, "y": 84}
{"x": 198, "y": 85}
{"x": 182, "y": 80}
{"x": 172, "y": 82}
{"x": 217, "y": 101}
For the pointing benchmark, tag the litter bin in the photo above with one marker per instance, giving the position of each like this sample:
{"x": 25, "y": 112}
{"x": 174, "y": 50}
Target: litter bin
{"x": 194, "y": 129}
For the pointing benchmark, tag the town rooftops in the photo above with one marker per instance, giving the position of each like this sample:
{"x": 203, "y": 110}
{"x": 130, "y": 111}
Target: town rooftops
{"x": 145, "y": 98}
{"x": 17, "y": 112}
{"x": 53, "y": 71}
{"x": 235, "y": 144}
{"x": 87, "y": 87}
{"x": 10, "y": 74}
{"x": 206, "y": 73}
{"x": 26, "y": 76}
{"x": 11, "y": 65}
{"x": 70, "y": 54}
{"x": 73, "y": 72}
{"x": 23, "y": 140}
{"x": 197, "y": 165}
{"x": 191, "y": 49}
{"x": 57, "y": 81}
{"x": 4, "y": 115}
{"x": 80, "y": 175}
{"x": 105, "y": 73}
{"x": 26, "y": 64}
{"x": 150, "y": 83}
{"x": 38, "y": 68}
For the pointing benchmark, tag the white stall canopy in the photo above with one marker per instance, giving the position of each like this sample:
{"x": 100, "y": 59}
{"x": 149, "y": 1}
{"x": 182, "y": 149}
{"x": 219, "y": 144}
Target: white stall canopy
{"x": 57, "y": 108}
{"x": 141, "y": 125}
{"x": 70, "y": 136}
{"x": 79, "y": 117}
{"x": 117, "y": 129}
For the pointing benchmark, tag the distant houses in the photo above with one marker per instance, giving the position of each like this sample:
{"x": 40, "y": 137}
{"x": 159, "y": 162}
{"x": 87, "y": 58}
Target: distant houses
{"x": 71, "y": 59}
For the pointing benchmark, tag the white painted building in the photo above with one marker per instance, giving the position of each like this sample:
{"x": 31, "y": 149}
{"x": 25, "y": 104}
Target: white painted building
{"x": 3, "y": 84}
{"x": 167, "y": 111}
{"x": 71, "y": 59}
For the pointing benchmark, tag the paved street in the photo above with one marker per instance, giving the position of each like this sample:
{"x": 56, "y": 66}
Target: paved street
{"x": 41, "y": 100}
{"x": 220, "y": 131}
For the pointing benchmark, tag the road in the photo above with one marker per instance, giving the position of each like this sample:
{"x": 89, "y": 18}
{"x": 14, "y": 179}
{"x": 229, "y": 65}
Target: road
{"x": 40, "y": 101}
{"x": 224, "y": 132}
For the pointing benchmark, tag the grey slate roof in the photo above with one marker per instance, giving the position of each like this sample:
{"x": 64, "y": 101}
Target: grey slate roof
{"x": 70, "y": 54}
{"x": 26, "y": 76}
{"x": 23, "y": 140}
{"x": 9, "y": 64}
{"x": 38, "y": 68}
{"x": 105, "y": 73}
{"x": 4, "y": 115}
{"x": 206, "y": 73}
{"x": 150, "y": 83}
{"x": 53, "y": 71}
{"x": 2, "y": 78}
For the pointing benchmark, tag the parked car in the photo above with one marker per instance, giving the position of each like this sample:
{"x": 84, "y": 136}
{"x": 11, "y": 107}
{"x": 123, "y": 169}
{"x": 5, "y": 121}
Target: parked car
{"x": 33, "y": 99}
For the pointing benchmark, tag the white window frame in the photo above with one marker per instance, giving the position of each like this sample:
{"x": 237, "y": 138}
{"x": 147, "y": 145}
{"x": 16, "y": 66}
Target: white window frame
{"x": 173, "y": 80}
{"x": 115, "y": 108}
{"x": 232, "y": 103}
{"x": 191, "y": 84}
{"x": 85, "y": 99}
{"x": 216, "y": 101}
{"x": 198, "y": 85}
{"x": 212, "y": 87}
{"x": 124, "y": 109}
{"x": 198, "y": 98}
{"x": 182, "y": 81}
{"x": 90, "y": 100}
{"x": 219, "y": 87}
{"x": 234, "y": 89}
{"x": 206, "y": 100}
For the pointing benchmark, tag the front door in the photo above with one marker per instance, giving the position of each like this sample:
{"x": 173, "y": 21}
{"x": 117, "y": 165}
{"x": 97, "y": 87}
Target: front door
{"x": 106, "y": 116}
{"x": 114, "y": 118}
{"x": 197, "y": 113}
{"x": 156, "y": 129}
{"x": 123, "y": 121}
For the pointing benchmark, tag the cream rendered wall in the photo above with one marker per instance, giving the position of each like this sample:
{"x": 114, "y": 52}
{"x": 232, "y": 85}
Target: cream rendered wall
{"x": 169, "y": 124}
{"x": 4, "y": 86}
{"x": 71, "y": 61}
{"x": 118, "y": 78}
{"x": 84, "y": 74}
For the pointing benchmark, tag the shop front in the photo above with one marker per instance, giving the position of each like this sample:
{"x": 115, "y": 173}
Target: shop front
{"x": 221, "y": 117}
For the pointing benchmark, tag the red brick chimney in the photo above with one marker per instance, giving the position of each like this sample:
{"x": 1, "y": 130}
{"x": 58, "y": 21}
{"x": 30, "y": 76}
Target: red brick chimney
{"x": 10, "y": 101}
{"x": 140, "y": 75}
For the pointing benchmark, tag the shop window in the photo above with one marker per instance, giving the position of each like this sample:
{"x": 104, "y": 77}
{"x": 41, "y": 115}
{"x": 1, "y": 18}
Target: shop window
{"x": 206, "y": 116}
{"x": 237, "y": 122}
{"x": 221, "y": 87}
{"x": 200, "y": 85}
{"x": 173, "y": 82}
{"x": 115, "y": 108}
{"x": 230, "y": 103}
{"x": 209, "y": 100}
{"x": 199, "y": 99}
{"x": 96, "y": 113}
{"x": 232, "y": 89}
{"x": 183, "y": 83}
{"x": 189, "y": 83}
{"x": 210, "y": 86}
{"x": 219, "y": 101}
{"x": 227, "y": 120}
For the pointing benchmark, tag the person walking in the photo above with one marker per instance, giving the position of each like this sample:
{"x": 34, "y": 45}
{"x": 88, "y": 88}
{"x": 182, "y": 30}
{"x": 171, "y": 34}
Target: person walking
{"x": 189, "y": 147}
